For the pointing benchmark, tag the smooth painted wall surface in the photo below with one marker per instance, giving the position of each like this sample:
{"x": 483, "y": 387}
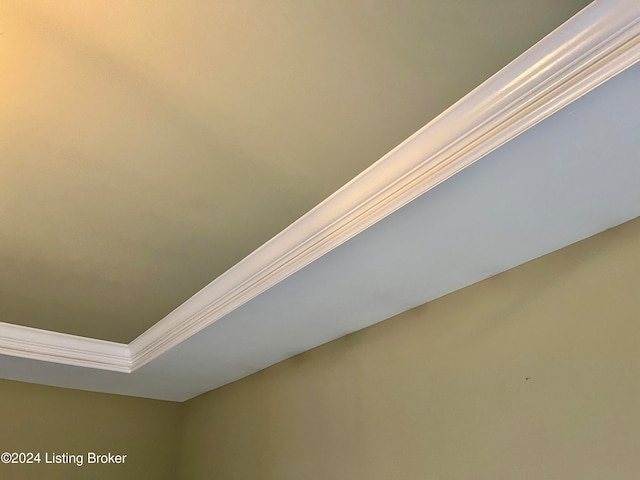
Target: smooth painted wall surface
{"x": 207, "y": 123}
{"x": 49, "y": 420}
{"x": 531, "y": 374}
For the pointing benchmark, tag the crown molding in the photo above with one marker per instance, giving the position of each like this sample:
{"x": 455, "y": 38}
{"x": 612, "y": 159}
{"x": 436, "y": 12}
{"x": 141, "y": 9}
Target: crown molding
{"x": 593, "y": 46}
{"x": 36, "y": 344}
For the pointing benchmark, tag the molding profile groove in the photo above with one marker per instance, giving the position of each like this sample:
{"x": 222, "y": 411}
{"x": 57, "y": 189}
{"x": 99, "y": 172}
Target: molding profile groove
{"x": 36, "y": 344}
{"x": 593, "y": 46}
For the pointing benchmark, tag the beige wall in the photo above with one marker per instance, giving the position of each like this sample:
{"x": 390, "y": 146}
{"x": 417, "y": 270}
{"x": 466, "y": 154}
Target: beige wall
{"x": 36, "y": 418}
{"x": 532, "y": 374}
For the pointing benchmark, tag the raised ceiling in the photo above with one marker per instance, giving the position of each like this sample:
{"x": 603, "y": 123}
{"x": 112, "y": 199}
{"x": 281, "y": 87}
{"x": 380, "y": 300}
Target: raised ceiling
{"x": 462, "y": 199}
{"x": 146, "y": 147}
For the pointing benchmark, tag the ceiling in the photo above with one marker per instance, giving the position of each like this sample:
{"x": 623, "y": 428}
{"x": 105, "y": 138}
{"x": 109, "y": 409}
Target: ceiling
{"x": 146, "y": 148}
{"x": 541, "y": 155}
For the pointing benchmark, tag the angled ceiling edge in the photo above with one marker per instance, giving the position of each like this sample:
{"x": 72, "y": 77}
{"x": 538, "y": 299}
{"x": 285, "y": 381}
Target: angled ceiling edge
{"x": 592, "y": 47}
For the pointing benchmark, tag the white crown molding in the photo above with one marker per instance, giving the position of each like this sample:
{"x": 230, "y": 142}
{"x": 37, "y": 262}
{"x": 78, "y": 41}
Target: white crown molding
{"x": 36, "y": 344}
{"x": 595, "y": 45}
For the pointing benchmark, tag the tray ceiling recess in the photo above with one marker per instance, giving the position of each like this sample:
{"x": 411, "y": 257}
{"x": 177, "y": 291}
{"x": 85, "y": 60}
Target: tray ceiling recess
{"x": 174, "y": 359}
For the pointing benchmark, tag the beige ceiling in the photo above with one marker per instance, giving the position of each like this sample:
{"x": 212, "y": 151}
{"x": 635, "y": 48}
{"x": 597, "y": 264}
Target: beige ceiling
{"x": 146, "y": 147}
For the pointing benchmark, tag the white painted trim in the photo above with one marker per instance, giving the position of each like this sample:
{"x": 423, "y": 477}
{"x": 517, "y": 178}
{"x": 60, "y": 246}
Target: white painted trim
{"x": 595, "y": 45}
{"x": 36, "y": 344}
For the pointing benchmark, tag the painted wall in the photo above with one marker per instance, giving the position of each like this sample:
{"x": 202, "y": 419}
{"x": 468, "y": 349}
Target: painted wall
{"x": 49, "y": 420}
{"x": 531, "y": 374}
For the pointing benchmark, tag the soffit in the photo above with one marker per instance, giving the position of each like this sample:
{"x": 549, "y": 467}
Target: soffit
{"x": 147, "y": 147}
{"x": 571, "y": 176}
